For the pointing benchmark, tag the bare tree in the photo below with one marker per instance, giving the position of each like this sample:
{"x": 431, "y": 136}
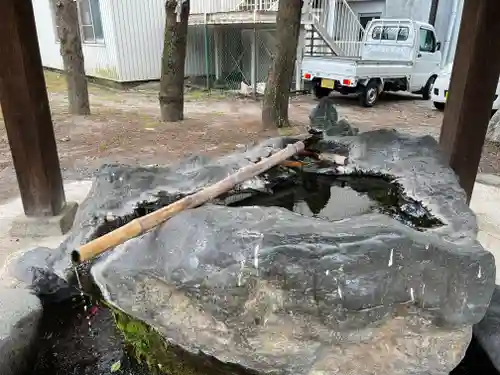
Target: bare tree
{"x": 72, "y": 55}
{"x": 279, "y": 80}
{"x": 493, "y": 133}
{"x": 173, "y": 60}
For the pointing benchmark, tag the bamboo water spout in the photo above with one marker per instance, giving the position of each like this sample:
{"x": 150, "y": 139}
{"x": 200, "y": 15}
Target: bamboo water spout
{"x": 146, "y": 223}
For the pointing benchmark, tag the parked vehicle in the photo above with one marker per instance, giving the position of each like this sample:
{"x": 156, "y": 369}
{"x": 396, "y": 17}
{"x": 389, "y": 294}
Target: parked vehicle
{"x": 394, "y": 55}
{"x": 440, "y": 90}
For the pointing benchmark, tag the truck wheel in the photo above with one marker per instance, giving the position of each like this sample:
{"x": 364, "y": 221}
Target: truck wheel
{"x": 439, "y": 106}
{"x": 369, "y": 94}
{"x": 320, "y": 92}
{"x": 427, "y": 90}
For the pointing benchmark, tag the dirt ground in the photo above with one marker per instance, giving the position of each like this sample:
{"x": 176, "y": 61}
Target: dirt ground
{"x": 125, "y": 127}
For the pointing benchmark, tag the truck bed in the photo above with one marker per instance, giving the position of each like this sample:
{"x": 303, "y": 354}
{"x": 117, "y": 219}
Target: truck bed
{"x": 338, "y": 68}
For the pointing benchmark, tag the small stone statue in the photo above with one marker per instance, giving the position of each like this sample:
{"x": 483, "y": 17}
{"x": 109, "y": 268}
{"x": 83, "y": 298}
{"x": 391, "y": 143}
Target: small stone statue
{"x": 324, "y": 118}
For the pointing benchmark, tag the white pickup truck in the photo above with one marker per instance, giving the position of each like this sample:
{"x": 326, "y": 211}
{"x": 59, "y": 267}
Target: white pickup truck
{"x": 394, "y": 55}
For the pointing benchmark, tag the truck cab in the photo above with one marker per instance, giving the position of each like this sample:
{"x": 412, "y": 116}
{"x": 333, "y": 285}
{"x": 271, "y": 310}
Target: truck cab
{"x": 394, "y": 55}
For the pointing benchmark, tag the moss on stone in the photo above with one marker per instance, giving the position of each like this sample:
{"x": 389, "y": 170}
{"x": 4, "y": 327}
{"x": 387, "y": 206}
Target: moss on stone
{"x": 146, "y": 345}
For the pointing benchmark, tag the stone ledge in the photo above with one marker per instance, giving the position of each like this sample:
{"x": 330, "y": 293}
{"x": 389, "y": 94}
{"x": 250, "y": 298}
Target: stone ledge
{"x": 488, "y": 179}
{"x": 20, "y": 314}
{"x": 24, "y": 226}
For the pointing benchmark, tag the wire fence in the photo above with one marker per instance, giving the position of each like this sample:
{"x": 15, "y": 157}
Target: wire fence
{"x": 230, "y": 57}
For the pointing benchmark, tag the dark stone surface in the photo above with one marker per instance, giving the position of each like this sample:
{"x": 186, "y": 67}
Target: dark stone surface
{"x": 487, "y": 331}
{"x": 273, "y": 290}
{"x": 20, "y": 313}
{"x": 346, "y": 273}
{"x": 418, "y": 166}
{"x": 475, "y": 362}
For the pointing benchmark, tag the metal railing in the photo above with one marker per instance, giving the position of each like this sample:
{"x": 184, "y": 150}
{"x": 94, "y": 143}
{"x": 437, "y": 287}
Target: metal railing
{"x": 258, "y": 5}
{"x": 338, "y": 25}
{"x": 333, "y": 20}
{"x": 213, "y": 6}
{"x": 221, "y": 6}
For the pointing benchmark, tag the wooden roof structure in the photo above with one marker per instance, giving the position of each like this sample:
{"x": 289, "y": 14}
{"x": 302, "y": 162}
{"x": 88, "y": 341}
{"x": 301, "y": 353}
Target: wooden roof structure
{"x": 26, "y": 110}
{"x": 472, "y": 89}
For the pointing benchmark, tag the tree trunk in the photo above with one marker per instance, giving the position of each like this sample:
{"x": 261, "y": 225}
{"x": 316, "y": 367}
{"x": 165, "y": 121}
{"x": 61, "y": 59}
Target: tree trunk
{"x": 72, "y": 54}
{"x": 493, "y": 132}
{"x": 173, "y": 62}
{"x": 279, "y": 80}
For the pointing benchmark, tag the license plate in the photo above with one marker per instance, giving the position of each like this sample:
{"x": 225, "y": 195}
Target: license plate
{"x": 328, "y": 83}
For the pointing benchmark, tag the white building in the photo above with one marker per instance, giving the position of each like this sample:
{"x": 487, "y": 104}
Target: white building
{"x": 229, "y": 41}
{"x": 448, "y": 21}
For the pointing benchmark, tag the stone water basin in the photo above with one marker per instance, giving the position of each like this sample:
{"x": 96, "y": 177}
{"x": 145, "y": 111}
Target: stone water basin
{"x": 299, "y": 276}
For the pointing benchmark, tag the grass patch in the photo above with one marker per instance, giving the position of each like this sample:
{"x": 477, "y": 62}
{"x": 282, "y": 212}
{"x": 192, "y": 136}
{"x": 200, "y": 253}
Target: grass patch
{"x": 198, "y": 95}
{"x": 289, "y": 131}
{"x": 55, "y": 82}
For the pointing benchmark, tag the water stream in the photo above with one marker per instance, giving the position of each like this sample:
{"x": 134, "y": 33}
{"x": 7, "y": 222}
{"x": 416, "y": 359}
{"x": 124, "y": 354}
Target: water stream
{"x": 87, "y": 308}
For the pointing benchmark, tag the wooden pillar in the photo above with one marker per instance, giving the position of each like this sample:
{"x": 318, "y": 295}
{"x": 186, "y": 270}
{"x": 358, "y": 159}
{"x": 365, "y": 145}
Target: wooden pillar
{"x": 473, "y": 83}
{"x": 26, "y": 111}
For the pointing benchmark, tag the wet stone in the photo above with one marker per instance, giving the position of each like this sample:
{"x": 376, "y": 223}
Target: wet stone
{"x": 67, "y": 347}
{"x": 487, "y": 331}
{"x": 290, "y": 274}
{"x": 475, "y": 361}
{"x": 20, "y": 315}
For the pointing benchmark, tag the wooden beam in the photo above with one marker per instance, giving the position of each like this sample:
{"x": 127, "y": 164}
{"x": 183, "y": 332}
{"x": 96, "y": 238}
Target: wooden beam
{"x": 26, "y": 111}
{"x": 473, "y": 84}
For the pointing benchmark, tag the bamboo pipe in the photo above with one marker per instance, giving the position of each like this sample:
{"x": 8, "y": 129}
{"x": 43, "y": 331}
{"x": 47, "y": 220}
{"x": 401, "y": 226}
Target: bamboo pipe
{"x": 143, "y": 224}
{"x": 292, "y": 164}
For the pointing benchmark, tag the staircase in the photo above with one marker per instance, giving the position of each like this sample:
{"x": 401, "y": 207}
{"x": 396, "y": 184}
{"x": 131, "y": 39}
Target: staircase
{"x": 334, "y": 29}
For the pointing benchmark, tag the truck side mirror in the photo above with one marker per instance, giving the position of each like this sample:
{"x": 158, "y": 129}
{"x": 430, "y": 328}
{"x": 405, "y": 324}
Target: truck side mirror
{"x": 438, "y": 46}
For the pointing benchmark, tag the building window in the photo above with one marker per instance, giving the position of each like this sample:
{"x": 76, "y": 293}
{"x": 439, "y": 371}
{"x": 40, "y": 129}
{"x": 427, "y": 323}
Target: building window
{"x": 89, "y": 15}
{"x": 90, "y": 21}
{"x": 427, "y": 41}
{"x": 364, "y": 18}
{"x": 55, "y": 21}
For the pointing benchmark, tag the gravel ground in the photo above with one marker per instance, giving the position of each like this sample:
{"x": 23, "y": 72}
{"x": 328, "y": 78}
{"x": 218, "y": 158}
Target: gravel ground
{"x": 125, "y": 127}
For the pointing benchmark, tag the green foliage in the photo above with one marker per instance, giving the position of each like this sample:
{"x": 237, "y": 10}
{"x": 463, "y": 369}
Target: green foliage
{"x": 116, "y": 366}
{"x": 147, "y": 346}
